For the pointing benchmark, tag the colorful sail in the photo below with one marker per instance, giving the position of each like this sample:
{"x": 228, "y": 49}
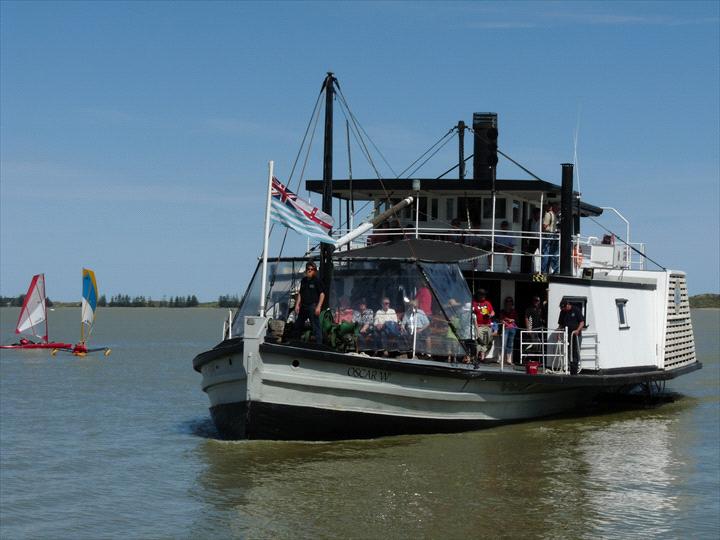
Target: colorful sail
{"x": 89, "y": 303}
{"x": 34, "y": 311}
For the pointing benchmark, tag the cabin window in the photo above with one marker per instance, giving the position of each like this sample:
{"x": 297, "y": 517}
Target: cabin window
{"x": 450, "y": 210}
{"x": 470, "y": 206}
{"x": 422, "y": 205}
{"x": 434, "y": 204}
{"x": 500, "y": 212}
{"x": 621, "y": 304}
{"x": 516, "y": 211}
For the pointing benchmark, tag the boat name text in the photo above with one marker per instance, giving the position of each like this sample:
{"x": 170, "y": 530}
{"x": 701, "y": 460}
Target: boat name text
{"x": 369, "y": 374}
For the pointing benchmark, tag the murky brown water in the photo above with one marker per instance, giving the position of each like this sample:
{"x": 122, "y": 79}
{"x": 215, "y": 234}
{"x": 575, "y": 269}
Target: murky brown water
{"x": 122, "y": 447}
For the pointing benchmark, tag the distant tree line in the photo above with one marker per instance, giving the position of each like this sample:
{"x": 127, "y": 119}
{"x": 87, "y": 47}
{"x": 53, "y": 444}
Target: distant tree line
{"x": 705, "y": 301}
{"x": 124, "y": 300}
{"x": 229, "y": 301}
{"x": 17, "y": 301}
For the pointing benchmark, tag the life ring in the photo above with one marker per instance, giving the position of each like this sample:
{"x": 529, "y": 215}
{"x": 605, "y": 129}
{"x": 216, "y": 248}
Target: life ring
{"x": 577, "y": 257}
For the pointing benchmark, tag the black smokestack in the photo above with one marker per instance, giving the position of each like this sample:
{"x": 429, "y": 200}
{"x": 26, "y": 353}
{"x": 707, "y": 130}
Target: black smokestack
{"x": 566, "y": 223}
{"x": 485, "y": 127}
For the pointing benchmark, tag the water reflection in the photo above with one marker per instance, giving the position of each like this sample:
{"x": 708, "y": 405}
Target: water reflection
{"x": 590, "y": 477}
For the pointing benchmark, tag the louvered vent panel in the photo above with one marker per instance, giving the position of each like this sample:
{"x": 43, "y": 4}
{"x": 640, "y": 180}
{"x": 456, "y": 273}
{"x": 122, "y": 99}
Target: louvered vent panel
{"x": 679, "y": 341}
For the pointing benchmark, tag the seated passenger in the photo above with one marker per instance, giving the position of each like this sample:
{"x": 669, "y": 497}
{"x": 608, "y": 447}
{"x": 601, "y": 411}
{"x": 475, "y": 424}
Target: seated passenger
{"x": 386, "y": 325}
{"x": 416, "y": 319}
{"x": 344, "y": 313}
{"x": 415, "y": 314}
{"x": 364, "y": 317}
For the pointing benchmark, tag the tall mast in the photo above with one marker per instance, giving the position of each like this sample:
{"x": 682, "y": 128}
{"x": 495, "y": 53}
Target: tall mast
{"x": 326, "y": 250}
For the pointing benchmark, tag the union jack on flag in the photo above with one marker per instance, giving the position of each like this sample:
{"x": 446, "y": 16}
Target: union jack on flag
{"x": 298, "y": 214}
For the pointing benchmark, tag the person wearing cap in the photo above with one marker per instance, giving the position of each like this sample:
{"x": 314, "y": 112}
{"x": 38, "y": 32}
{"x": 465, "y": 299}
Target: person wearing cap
{"x": 572, "y": 321}
{"x": 309, "y": 302}
{"x": 484, "y": 314}
{"x": 534, "y": 319}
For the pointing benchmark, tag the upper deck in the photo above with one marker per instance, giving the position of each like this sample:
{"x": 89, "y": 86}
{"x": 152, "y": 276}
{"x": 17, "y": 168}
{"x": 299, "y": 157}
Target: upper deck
{"x": 463, "y": 211}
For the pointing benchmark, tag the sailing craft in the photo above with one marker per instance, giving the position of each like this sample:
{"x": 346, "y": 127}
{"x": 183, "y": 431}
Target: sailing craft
{"x": 32, "y": 321}
{"x": 87, "y": 317}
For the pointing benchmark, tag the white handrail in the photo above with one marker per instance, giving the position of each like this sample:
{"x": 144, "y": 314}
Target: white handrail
{"x": 627, "y": 229}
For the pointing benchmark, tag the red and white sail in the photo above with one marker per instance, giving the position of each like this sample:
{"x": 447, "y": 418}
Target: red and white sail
{"x": 33, "y": 315}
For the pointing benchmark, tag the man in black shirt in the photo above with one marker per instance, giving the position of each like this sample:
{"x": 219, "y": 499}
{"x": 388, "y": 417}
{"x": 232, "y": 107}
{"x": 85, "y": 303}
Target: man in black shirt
{"x": 571, "y": 319}
{"x": 309, "y": 302}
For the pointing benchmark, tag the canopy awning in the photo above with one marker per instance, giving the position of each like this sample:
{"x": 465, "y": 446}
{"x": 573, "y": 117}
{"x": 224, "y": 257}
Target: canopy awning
{"x": 413, "y": 249}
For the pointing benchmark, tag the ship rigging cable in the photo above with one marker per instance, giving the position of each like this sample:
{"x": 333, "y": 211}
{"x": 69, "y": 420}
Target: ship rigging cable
{"x": 444, "y": 140}
{"x": 503, "y": 154}
{"x": 344, "y": 103}
{"x": 302, "y": 143}
{"x": 628, "y": 245}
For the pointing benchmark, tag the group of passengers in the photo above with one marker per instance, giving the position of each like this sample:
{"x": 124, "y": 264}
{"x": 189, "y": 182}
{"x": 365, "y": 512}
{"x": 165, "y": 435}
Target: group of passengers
{"x": 385, "y": 329}
{"x": 470, "y": 334}
{"x": 490, "y": 324}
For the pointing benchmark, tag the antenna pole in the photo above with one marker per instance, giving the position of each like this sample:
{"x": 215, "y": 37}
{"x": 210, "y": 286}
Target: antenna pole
{"x": 266, "y": 238}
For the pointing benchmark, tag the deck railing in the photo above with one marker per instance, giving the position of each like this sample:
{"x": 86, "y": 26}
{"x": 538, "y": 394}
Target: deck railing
{"x": 551, "y": 350}
{"x": 526, "y": 255}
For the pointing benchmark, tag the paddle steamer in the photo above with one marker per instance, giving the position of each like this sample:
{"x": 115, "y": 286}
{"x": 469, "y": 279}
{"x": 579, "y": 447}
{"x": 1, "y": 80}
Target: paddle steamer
{"x": 265, "y": 384}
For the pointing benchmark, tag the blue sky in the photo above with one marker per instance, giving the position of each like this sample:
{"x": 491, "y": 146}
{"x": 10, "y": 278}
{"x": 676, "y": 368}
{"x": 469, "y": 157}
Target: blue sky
{"x": 134, "y": 137}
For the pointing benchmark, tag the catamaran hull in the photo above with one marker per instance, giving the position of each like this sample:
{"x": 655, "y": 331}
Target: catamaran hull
{"x": 38, "y": 346}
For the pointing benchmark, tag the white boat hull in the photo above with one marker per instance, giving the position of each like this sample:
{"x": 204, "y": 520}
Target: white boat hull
{"x": 267, "y": 391}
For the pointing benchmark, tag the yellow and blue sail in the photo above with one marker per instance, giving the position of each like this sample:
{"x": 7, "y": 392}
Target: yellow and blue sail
{"x": 89, "y": 301}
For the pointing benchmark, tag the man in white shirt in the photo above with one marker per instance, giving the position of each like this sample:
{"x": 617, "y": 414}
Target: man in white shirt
{"x": 386, "y": 325}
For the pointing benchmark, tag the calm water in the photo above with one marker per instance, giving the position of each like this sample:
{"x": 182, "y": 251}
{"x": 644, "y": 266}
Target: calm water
{"x": 122, "y": 447}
